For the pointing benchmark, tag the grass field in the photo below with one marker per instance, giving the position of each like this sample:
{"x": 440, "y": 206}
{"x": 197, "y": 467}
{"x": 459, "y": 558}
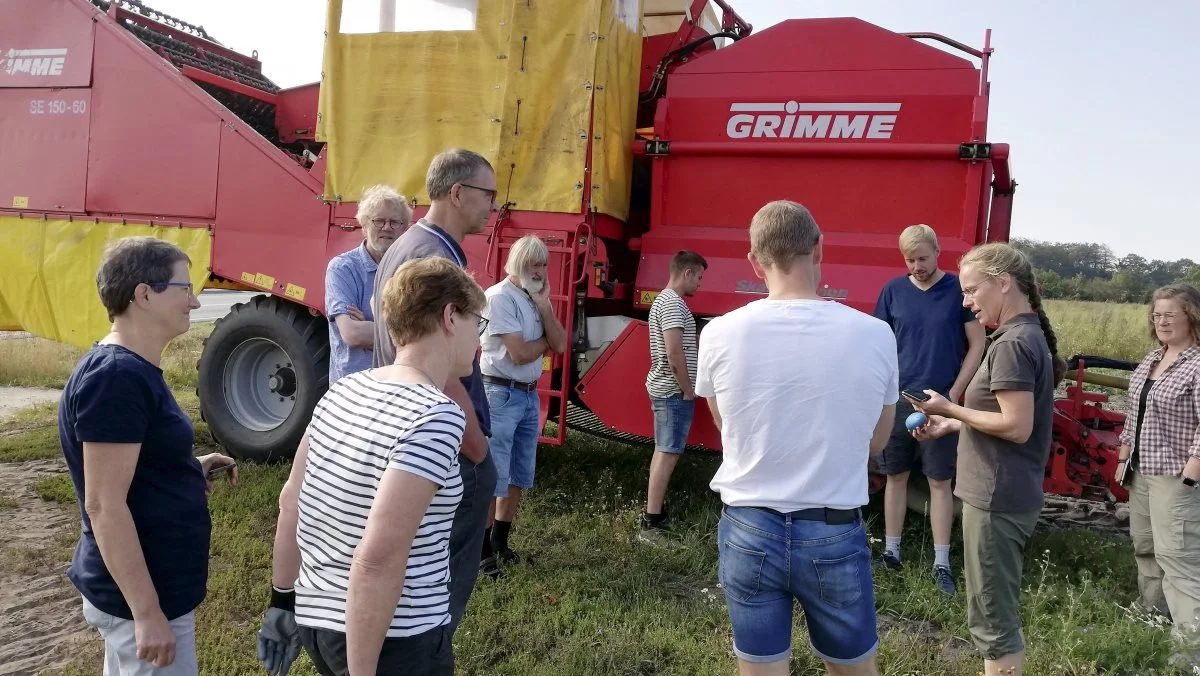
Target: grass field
{"x": 597, "y": 602}
{"x": 1101, "y": 329}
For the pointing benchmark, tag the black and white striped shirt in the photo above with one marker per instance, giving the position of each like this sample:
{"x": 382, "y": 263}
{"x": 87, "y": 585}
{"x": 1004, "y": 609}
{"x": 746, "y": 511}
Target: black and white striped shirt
{"x": 669, "y": 311}
{"x": 360, "y": 428}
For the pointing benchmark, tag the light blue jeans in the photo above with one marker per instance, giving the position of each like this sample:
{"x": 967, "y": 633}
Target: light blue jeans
{"x": 120, "y": 645}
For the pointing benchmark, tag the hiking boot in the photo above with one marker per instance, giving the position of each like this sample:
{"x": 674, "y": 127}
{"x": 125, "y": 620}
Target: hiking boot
{"x": 944, "y": 579}
{"x": 888, "y": 560}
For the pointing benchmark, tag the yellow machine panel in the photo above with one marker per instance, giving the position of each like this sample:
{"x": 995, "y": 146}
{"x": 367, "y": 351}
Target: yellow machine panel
{"x": 48, "y": 280}
{"x": 525, "y": 89}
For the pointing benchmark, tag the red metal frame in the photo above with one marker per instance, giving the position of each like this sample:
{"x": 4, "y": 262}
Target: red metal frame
{"x": 1086, "y": 446}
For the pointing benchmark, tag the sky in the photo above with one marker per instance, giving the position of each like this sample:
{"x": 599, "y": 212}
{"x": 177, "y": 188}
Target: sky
{"x": 1097, "y": 98}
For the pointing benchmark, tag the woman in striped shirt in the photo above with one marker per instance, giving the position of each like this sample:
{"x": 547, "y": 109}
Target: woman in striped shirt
{"x": 1161, "y": 446}
{"x": 364, "y": 524}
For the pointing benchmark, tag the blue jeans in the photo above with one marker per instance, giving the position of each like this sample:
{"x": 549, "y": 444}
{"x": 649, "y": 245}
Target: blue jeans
{"x": 768, "y": 559}
{"x": 513, "y": 444}
{"x": 672, "y": 422}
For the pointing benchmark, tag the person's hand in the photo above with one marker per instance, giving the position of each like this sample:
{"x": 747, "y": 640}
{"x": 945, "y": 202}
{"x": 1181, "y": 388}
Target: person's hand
{"x": 1192, "y": 469}
{"x": 936, "y": 405}
{"x": 154, "y": 639}
{"x": 542, "y": 297}
{"x": 212, "y": 461}
{"x": 354, "y": 313}
{"x": 935, "y": 427}
{"x": 689, "y": 397}
{"x": 956, "y": 395}
{"x": 278, "y": 641}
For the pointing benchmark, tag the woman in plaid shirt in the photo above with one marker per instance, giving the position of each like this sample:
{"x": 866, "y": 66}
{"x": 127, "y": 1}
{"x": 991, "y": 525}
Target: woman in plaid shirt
{"x": 1161, "y": 446}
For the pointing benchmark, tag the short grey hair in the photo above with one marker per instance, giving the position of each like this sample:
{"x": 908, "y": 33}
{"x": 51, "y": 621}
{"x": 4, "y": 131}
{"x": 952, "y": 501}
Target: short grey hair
{"x": 378, "y": 199}
{"x": 130, "y": 261}
{"x": 782, "y": 231}
{"x": 456, "y": 165}
{"x": 529, "y": 250}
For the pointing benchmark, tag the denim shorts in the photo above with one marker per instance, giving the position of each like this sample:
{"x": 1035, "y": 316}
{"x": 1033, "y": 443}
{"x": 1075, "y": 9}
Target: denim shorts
{"x": 672, "y": 422}
{"x": 767, "y": 560}
{"x": 513, "y": 444}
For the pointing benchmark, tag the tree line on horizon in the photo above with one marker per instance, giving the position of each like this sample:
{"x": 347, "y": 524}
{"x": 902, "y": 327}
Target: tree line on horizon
{"x": 1092, "y": 272}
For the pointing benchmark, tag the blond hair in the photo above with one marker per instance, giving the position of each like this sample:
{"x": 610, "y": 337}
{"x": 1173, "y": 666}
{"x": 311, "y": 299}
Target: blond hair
{"x": 414, "y": 297}
{"x": 997, "y": 258}
{"x": 782, "y": 231}
{"x": 529, "y": 250}
{"x": 915, "y": 235}
{"x": 1188, "y": 298}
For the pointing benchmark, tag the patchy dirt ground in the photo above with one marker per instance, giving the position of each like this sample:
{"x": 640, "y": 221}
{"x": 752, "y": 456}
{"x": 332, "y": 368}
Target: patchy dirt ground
{"x": 40, "y": 617}
{"x": 13, "y": 399}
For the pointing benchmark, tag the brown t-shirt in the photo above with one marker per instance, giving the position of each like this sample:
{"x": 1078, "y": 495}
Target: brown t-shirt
{"x": 995, "y": 474}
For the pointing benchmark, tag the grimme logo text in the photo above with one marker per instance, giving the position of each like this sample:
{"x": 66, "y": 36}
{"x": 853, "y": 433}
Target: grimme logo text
{"x": 812, "y": 120}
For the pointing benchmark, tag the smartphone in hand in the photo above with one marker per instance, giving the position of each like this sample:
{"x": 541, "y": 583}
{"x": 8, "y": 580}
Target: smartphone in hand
{"x": 221, "y": 468}
{"x": 915, "y": 396}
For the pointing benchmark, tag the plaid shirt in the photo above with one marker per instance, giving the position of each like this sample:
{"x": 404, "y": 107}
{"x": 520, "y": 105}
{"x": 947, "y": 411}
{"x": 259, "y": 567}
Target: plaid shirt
{"x": 1170, "y": 429}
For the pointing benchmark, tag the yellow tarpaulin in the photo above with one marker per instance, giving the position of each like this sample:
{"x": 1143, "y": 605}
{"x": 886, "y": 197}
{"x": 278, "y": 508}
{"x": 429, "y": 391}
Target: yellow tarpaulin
{"x": 48, "y": 280}
{"x": 521, "y": 89}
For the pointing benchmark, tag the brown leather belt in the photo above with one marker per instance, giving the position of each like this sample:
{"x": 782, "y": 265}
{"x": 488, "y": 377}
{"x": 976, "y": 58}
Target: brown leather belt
{"x": 508, "y": 382}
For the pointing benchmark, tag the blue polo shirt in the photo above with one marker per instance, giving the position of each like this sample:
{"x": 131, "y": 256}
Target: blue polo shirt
{"x": 931, "y": 339}
{"x": 421, "y": 240}
{"x": 349, "y": 280}
{"x": 116, "y": 396}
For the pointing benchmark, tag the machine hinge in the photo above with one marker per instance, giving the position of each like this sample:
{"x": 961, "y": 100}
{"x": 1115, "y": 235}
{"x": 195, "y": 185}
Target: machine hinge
{"x": 974, "y": 151}
{"x": 658, "y": 147}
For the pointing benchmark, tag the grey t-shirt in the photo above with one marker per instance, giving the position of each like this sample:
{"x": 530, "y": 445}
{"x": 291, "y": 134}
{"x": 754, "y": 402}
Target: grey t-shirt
{"x": 510, "y": 310}
{"x": 995, "y": 474}
{"x": 421, "y": 240}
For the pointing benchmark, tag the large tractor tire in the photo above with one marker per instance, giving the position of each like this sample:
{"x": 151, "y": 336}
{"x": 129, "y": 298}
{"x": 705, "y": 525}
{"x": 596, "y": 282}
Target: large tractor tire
{"x": 263, "y": 369}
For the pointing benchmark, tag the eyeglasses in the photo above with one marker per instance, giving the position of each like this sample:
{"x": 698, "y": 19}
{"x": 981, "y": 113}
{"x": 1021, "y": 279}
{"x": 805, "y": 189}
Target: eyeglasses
{"x": 391, "y": 222}
{"x": 1162, "y": 317}
{"x": 491, "y": 193}
{"x": 483, "y": 322}
{"x": 161, "y": 286}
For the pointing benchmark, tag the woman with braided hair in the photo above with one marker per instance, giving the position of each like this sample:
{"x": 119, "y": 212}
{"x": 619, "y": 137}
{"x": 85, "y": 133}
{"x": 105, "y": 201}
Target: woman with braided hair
{"x": 1004, "y": 428}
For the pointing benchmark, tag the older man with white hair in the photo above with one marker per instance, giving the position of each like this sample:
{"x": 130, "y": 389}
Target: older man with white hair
{"x": 384, "y": 215}
{"x": 521, "y": 329}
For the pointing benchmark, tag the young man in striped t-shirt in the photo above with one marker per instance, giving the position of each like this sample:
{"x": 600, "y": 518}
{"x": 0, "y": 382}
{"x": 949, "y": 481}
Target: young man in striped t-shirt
{"x": 365, "y": 517}
{"x": 669, "y": 384}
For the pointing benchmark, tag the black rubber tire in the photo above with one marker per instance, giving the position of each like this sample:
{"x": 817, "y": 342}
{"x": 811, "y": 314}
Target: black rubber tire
{"x": 304, "y": 337}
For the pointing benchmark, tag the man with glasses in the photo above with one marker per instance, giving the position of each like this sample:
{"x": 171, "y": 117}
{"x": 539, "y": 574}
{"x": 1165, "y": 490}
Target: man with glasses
{"x": 350, "y": 281}
{"x": 462, "y": 193}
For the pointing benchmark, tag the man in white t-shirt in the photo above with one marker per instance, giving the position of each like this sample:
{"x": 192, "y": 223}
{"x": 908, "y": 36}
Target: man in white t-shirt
{"x": 803, "y": 391}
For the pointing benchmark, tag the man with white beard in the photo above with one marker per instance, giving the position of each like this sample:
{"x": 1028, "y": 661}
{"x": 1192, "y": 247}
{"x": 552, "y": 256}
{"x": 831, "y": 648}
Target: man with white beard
{"x": 521, "y": 328}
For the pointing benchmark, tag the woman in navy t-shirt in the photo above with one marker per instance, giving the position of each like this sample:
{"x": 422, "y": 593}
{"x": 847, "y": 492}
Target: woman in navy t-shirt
{"x": 142, "y": 559}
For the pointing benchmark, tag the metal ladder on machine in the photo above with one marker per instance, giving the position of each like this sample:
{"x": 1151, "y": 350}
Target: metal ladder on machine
{"x": 566, "y": 271}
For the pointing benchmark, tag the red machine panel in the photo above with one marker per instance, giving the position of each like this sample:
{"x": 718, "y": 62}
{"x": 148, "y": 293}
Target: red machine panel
{"x": 861, "y": 125}
{"x": 173, "y": 152}
{"x": 613, "y": 390}
{"x": 296, "y": 112}
{"x": 272, "y": 226}
{"x": 45, "y": 43}
{"x": 44, "y": 134}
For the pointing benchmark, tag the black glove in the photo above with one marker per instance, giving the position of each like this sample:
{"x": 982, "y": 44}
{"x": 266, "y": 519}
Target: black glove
{"x": 279, "y": 638}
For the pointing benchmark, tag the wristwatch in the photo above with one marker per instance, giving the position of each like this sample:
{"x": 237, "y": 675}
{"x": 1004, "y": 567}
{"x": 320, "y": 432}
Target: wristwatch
{"x": 1189, "y": 482}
